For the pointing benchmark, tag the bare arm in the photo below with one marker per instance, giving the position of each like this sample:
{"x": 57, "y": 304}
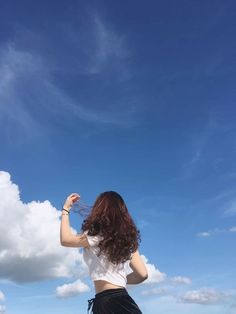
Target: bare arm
{"x": 67, "y": 238}
{"x": 139, "y": 273}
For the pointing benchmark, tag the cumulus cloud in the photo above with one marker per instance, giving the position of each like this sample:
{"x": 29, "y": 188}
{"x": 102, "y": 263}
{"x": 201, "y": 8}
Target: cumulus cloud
{"x": 2, "y": 296}
{"x": 181, "y": 280}
{"x": 2, "y": 309}
{"x": 204, "y": 296}
{"x": 30, "y": 248}
{"x": 154, "y": 275}
{"x": 71, "y": 289}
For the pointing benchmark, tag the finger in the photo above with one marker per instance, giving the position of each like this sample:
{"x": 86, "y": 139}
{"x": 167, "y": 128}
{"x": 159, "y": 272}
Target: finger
{"x": 74, "y": 194}
{"x": 75, "y": 199}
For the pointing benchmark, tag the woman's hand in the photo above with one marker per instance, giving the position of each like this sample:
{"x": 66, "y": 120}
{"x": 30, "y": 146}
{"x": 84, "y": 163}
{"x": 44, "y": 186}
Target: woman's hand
{"x": 70, "y": 200}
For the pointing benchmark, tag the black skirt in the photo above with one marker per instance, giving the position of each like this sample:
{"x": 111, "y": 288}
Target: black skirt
{"x": 113, "y": 301}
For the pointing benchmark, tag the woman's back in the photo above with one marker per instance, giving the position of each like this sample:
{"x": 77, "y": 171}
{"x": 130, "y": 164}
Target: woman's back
{"x": 101, "y": 270}
{"x": 110, "y": 240}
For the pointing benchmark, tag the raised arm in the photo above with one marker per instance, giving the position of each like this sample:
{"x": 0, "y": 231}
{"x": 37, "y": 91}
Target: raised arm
{"x": 139, "y": 273}
{"x": 67, "y": 238}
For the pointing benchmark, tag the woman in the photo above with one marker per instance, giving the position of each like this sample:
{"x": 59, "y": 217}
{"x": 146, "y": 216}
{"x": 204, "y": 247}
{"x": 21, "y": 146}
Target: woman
{"x": 110, "y": 240}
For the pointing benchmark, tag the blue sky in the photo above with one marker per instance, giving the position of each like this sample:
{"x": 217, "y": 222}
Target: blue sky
{"x": 132, "y": 97}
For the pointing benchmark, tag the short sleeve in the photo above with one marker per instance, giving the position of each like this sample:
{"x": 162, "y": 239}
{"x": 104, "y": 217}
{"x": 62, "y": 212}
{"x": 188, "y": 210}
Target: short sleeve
{"x": 128, "y": 269}
{"x": 93, "y": 240}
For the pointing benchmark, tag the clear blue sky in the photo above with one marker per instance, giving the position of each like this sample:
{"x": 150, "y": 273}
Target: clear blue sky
{"x": 136, "y": 97}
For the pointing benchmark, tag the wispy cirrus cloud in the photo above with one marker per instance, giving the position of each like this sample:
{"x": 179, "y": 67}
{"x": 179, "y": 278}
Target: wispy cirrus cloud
{"x": 231, "y": 209}
{"x": 15, "y": 67}
{"x": 216, "y": 231}
{"x": 110, "y": 49}
{"x": 203, "y": 144}
{"x": 31, "y": 103}
{"x": 97, "y": 47}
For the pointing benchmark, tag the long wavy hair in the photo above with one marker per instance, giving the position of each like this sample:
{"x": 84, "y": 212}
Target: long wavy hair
{"x": 110, "y": 219}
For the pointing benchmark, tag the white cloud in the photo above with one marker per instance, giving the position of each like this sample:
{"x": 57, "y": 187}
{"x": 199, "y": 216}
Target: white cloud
{"x": 71, "y": 289}
{"x": 204, "y": 296}
{"x": 181, "y": 280}
{"x": 109, "y": 49}
{"x": 167, "y": 304}
{"x": 204, "y": 234}
{"x": 215, "y": 231}
{"x": 154, "y": 291}
{"x": 2, "y": 309}
{"x": 2, "y": 296}
{"x": 30, "y": 248}
{"x": 27, "y": 87}
{"x": 201, "y": 144}
{"x": 154, "y": 275}
{"x": 231, "y": 210}
{"x": 167, "y": 290}
{"x": 15, "y": 68}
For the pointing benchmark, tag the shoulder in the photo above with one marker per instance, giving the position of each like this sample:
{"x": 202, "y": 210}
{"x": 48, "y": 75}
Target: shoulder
{"x": 92, "y": 240}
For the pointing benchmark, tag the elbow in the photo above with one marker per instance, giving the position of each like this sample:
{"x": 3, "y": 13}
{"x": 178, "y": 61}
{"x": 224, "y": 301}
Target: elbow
{"x": 63, "y": 243}
{"x": 144, "y": 276}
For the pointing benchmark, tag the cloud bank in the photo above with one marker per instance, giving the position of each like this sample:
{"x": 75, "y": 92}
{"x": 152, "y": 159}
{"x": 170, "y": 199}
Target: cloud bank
{"x": 30, "y": 248}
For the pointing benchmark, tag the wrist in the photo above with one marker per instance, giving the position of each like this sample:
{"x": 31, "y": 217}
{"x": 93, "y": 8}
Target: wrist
{"x": 65, "y": 211}
{"x": 66, "y": 207}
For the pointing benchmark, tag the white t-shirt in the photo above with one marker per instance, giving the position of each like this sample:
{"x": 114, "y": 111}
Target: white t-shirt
{"x": 99, "y": 266}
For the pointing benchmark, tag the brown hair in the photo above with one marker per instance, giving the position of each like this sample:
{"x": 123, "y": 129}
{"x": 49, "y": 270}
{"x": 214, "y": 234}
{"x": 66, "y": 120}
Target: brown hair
{"x": 110, "y": 219}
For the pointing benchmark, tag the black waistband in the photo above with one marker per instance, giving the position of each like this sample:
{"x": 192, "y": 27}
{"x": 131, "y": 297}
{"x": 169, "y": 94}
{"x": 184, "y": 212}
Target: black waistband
{"x": 111, "y": 292}
{"x": 107, "y": 292}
